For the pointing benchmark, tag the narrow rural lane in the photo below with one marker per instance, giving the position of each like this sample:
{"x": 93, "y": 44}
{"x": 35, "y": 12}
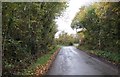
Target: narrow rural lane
{"x": 71, "y": 61}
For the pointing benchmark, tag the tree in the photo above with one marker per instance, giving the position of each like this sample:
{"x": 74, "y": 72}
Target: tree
{"x": 65, "y": 39}
{"x": 28, "y": 32}
{"x": 101, "y": 23}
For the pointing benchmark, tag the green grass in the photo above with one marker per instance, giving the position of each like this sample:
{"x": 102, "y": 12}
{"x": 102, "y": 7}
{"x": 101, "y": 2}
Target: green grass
{"x": 109, "y": 55}
{"x": 40, "y": 61}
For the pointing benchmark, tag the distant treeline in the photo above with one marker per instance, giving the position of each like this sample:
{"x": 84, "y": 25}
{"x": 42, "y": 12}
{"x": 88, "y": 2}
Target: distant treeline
{"x": 66, "y": 39}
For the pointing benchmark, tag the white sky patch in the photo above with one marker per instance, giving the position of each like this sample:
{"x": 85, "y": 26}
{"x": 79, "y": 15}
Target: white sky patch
{"x": 64, "y": 21}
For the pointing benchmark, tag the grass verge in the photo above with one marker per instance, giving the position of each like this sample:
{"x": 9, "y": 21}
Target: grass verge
{"x": 40, "y": 62}
{"x": 110, "y": 56}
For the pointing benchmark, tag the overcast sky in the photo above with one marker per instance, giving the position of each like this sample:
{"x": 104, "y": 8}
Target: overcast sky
{"x": 65, "y": 21}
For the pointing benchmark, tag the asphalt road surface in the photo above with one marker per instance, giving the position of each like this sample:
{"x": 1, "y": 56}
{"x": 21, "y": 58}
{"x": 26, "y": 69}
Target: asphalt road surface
{"x": 71, "y": 61}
